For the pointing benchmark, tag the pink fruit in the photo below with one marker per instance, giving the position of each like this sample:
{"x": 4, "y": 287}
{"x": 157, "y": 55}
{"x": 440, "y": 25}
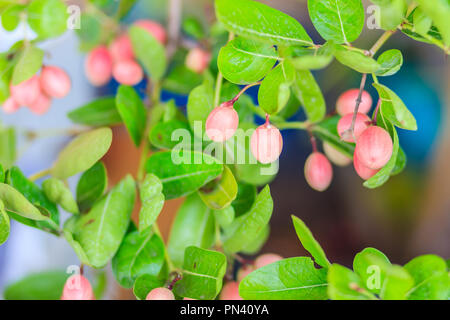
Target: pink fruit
{"x": 154, "y": 28}
{"x": 197, "y": 60}
{"x": 374, "y": 147}
{"x": 265, "y": 259}
{"x": 362, "y": 122}
{"x": 55, "y": 82}
{"x": 160, "y": 294}
{"x": 77, "y": 287}
{"x": 121, "y": 48}
{"x": 222, "y": 123}
{"x": 347, "y": 101}
{"x": 318, "y": 171}
{"x": 244, "y": 271}
{"x": 230, "y": 291}
{"x": 362, "y": 171}
{"x": 27, "y": 92}
{"x": 98, "y": 66}
{"x": 10, "y": 106}
{"x": 266, "y": 143}
{"x": 128, "y": 72}
{"x": 335, "y": 156}
{"x": 41, "y": 105}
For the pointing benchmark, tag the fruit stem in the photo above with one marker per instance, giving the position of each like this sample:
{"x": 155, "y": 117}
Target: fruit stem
{"x": 313, "y": 141}
{"x": 176, "y": 277}
{"x": 358, "y": 102}
{"x": 243, "y": 90}
{"x": 220, "y": 78}
{"x": 40, "y": 174}
{"x": 375, "y": 113}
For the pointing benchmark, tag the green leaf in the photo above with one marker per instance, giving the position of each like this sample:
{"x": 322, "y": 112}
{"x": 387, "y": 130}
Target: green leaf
{"x": 100, "y": 112}
{"x": 100, "y": 231}
{"x": 343, "y": 284}
{"x": 400, "y": 163}
{"x": 68, "y": 231}
{"x": 398, "y": 282}
{"x": 390, "y": 61}
{"x": 152, "y": 200}
{"x": 133, "y": 112}
{"x": 219, "y": 193}
{"x": 48, "y": 18}
{"x": 82, "y": 153}
{"x": 246, "y": 228}
{"x": 307, "y": 59}
{"x": 182, "y": 80}
{"x": 200, "y": 104}
{"x": 203, "y": 271}
{"x": 46, "y": 285}
{"x": 29, "y": 63}
{"x": 192, "y": 215}
{"x": 326, "y": 130}
{"x": 394, "y": 110}
{"x": 339, "y": 20}
{"x": 4, "y": 224}
{"x": 2, "y": 173}
{"x": 422, "y": 23}
{"x": 58, "y": 193}
{"x": 391, "y": 13}
{"x": 193, "y": 27}
{"x": 274, "y": 91}
{"x": 308, "y": 92}
{"x": 430, "y": 276}
{"x": 370, "y": 265}
{"x": 161, "y": 134}
{"x": 183, "y": 172}
{"x": 124, "y": 7}
{"x": 91, "y": 32}
{"x": 7, "y": 146}
{"x": 11, "y": 17}
{"x": 257, "y": 21}
{"x": 244, "y": 199}
{"x": 14, "y": 201}
{"x": 144, "y": 284}
{"x": 309, "y": 242}
{"x": 244, "y": 61}
{"x": 91, "y": 186}
{"x": 139, "y": 254}
{"x": 224, "y": 217}
{"x": 287, "y": 279}
{"x": 148, "y": 51}
{"x": 356, "y": 60}
{"x": 255, "y": 246}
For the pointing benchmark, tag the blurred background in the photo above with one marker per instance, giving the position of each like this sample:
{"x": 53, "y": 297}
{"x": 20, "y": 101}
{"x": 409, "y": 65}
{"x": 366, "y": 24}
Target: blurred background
{"x": 408, "y": 216}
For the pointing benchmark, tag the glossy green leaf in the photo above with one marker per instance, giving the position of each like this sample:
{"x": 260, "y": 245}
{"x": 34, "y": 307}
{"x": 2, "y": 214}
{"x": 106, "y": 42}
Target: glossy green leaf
{"x": 244, "y": 199}
{"x": 356, "y": 60}
{"x": 309, "y": 94}
{"x": 343, "y": 284}
{"x": 5, "y": 77}
{"x": 244, "y": 61}
{"x": 422, "y": 23}
{"x": 152, "y": 200}
{"x": 390, "y": 14}
{"x": 390, "y": 61}
{"x": 48, "y": 18}
{"x": 2, "y": 173}
{"x": 192, "y": 215}
{"x": 144, "y": 284}
{"x": 246, "y": 228}
{"x": 91, "y": 186}
{"x": 326, "y": 130}
{"x": 29, "y": 63}
{"x": 219, "y": 193}
{"x": 82, "y": 153}
{"x": 193, "y": 27}
{"x": 133, "y": 112}
{"x": 183, "y": 172}
{"x": 161, "y": 134}
{"x": 14, "y": 201}
{"x": 397, "y": 283}
{"x": 68, "y": 231}
{"x": 200, "y": 104}
{"x": 4, "y": 224}
{"x": 182, "y": 80}
{"x": 148, "y": 51}
{"x": 287, "y": 279}
{"x": 400, "y": 163}
{"x": 11, "y": 17}
{"x": 371, "y": 271}
{"x": 100, "y": 112}
{"x": 255, "y": 246}
{"x": 203, "y": 271}
{"x": 339, "y": 20}
{"x": 257, "y": 21}
{"x": 59, "y": 193}
{"x": 7, "y": 146}
{"x": 224, "y": 217}
{"x": 310, "y": 243}
{"x": 307, "y": 59}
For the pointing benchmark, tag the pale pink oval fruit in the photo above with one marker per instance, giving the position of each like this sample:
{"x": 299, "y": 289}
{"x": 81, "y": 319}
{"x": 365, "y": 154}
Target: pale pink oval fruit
{"x": 10, "y": 106}
{"x": 121, "y": 48}
{"x": 222, "y": 123}
{"x": 230, "y": 291}
{"x": 197, "y": 60}
{"x": 335, "y": 156}
{"x": 128, "y": 72}
{"x": 318, "y": 171}
{"x": 41, "y": 105}
{"x": 347, "y": 101}
{"x": 98, "y": 66}
{"x": 374, "y": 147}
{"x": 362, "y": 171}
{"x": 77, "y": 287}
{"x": 362, "y": 122}
{"x": 55, "y": 82}
{"x": 154, "y": 28}
{"x": 244, "y": 271}
{"x": 265, "y": 259}
{"x": 266, "y": 143}
{"x": 27, "y": 92}
{"x": 160, "y": 294}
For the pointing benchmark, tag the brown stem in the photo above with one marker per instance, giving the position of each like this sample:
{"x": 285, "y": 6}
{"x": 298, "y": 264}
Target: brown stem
{"x": 173, "y": 28}
{"x": 375, "y": 113}
{"x": 358, "y": 102}
{"x": 243, "y": 90}
{"x": 176, "y": 277}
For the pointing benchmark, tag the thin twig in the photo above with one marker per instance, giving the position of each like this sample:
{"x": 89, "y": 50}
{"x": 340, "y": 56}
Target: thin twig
{"x": 173, "y": 28}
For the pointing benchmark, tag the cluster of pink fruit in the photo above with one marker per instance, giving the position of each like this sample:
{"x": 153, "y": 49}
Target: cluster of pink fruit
{"x": 36, "y": 93}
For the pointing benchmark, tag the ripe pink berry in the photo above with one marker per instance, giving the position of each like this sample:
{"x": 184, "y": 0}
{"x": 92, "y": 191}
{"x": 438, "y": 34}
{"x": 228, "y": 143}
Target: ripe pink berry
{"x": 347, "y": 101}
{"x": 266, "y": 143}
{"x": 98, "y": 66}
{"x": 154, "y": 28}
{"x": 362, "y": 122}
{"x": 41, "y": 105}
{"x": 318, "y": 171}
{"x": 265, "y": 259}
{"x": 77, "y": 287}
{"x": 197, "y": 60}
{"x": 222, "y": 123}
{"x": 362, "y": 171}
{"x": 335, "y": 156}
{"x": 55, "y": 82}
{"x": 10, "y": 105}
{"x": 230, "y": 291}
{"x": 160, "y": 294}
{"x": 128, "y": 72}
{"x": 27, "y": 92}
{"x": 121, "y": 48}
{"x": 374, "y": 147}
{"x": 244, "y": 271}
